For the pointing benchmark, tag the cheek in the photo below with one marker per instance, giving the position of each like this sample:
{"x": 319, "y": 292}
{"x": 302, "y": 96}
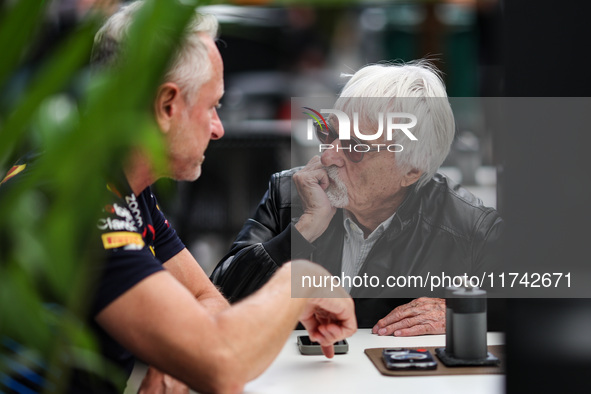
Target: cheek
{"x": 203, "y": 125}
{"x": 360, "y": 186}
{"x": 374, "y": 182}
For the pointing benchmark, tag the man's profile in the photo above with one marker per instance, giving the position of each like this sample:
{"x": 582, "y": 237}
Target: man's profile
{"x": 152, "y": 300}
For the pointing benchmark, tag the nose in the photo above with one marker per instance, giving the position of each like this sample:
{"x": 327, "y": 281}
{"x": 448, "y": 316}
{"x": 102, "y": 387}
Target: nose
{"x": 217, "y": 128}
{"x": 333, "y": 156}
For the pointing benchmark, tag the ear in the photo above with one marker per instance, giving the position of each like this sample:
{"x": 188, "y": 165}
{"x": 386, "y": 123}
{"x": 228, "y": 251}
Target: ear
{"x": 411, "y": 177}
{"x": 166, "y": 105}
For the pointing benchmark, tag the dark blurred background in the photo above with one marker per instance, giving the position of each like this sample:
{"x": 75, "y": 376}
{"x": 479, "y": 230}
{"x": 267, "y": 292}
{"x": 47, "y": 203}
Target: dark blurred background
{"x": 545, "y": 191}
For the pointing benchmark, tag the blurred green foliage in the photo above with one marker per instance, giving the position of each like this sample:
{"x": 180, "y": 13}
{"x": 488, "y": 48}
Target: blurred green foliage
{"x": 47, "y": 218}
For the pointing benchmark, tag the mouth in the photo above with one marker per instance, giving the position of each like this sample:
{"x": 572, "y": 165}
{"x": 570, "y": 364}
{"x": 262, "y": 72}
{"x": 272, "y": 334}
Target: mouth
{"x": 333, "y": 174}
{"x": 336, "y": 190}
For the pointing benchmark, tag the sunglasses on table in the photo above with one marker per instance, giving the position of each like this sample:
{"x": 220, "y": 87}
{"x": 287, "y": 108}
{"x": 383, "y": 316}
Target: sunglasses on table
{"x": 327, "y": 136}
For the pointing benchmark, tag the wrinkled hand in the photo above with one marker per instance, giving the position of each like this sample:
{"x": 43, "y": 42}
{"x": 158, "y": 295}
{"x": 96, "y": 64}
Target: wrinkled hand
{"x": 329, "y": 320}
{"x": 156, "y": 382}
{"x": 418, "y": 317}
{"x": 311, "y": 181}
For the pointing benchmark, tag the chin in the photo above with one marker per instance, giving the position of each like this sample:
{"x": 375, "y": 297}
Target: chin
{"x": 196, "y": 174}
{"x": 338, "y": 200}
{"x": 189, "y": 176}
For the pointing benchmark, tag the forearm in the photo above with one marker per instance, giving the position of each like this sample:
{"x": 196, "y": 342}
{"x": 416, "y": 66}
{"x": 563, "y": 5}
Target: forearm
{"x": 160, "y": 321}
{"x": 185, "y": 269}
{"x": 162, "y": 324}
{"x": 188, "y": 272}
{"x": 243, "y": 339}
{"x": 215, "y": 303}
{"x": 255, "y": 330}
{"x": 257, "y": 338}
{"x": 178, "y": 336}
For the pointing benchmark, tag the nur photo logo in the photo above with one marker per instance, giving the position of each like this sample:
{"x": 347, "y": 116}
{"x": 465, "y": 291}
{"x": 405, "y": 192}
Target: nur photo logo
{"x": 360, "y": 142}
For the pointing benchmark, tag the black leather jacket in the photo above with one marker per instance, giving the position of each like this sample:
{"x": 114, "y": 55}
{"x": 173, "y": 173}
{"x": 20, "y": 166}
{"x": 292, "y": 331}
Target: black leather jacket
{"x": 440, "y": 228}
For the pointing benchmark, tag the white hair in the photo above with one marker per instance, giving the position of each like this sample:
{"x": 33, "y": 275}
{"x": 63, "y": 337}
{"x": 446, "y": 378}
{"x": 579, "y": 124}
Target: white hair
{"x": 191, "y": 66}
{"x": 414, "y": 88}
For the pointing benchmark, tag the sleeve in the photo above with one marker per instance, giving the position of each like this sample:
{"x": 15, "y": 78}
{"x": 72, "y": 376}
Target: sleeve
{"x": 122, "y": 270}
{"x": 167, "y": 244}
{"x": 263, "y": 244}
{"x": 488, "y": 237}
{"x": 487, "y": 259}
{"x": 128, "y": 255}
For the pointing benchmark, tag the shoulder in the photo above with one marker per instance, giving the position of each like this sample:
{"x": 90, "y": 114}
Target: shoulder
{"x": 452, "y": 208}
{"x": 441, "y": 185}
{"x": 116, "y": 219}
{"x": 281, "y": 188}
{"x": 145, "y": 198}
{"x": 284, "y": 176}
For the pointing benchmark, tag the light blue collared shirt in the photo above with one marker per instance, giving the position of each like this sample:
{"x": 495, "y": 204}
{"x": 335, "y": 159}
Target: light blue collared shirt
{"x": 356, "y": 247}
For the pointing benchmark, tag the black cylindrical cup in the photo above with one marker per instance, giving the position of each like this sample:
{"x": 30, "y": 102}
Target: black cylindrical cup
{"x": 449, "y": 347}
{"x": 469, "y": 324}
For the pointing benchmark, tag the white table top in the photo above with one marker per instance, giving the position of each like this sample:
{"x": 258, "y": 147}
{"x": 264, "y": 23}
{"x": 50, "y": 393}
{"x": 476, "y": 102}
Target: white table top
{"x": 353, "y": 372}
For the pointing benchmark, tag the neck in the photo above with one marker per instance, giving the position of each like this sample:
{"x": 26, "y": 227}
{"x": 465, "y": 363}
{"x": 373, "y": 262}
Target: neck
{"x": 139, "y": 173}
{"x": 368, "y": 220}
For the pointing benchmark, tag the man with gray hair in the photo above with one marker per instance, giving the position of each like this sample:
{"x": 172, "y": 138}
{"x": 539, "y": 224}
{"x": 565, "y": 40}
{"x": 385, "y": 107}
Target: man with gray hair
{"x": 372, "y": 210}
{"x": 152, "y": 299}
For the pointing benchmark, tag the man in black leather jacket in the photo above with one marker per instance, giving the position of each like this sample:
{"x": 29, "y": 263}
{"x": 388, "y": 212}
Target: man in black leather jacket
{"x": 378, "y": 214}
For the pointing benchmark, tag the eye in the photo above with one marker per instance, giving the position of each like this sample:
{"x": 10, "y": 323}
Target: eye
{"x": 218, "y": 106}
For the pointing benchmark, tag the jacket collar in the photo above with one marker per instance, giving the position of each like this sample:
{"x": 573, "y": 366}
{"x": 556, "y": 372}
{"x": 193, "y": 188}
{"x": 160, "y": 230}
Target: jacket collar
{"x": 409, "y": 206}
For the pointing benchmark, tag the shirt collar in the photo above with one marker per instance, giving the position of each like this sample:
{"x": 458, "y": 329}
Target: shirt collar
{"x": 353, "y": 230}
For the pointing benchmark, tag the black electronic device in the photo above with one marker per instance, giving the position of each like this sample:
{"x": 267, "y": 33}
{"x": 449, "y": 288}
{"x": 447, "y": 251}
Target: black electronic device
{"x": 308, "y": 347}
{"x": 400, "y": 358}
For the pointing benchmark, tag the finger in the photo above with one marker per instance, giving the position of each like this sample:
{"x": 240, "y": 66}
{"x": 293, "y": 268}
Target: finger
{"x": 312, "y": 326}
{"x": 311, "y": 186}
{"x": 313, "y": 163}
{"x": 173, "y": 386}
{"x": 315, "y": 336}
{"x": 328, "y": 351}
{"x": 413, "y": 331}
{"x": 153, "y": 382}
{"x": 336, "y": 310}
{"x": 326, "y": 334}
{"x": 413, "y": 308}
{"x": 312, "y": 329}
{"x": 329, "y": 334}
{"x": 397, "y": 314}
{"x": 402, "y": 324}
{"x": 332, "y": 319}
{"x": 320, "y": 177}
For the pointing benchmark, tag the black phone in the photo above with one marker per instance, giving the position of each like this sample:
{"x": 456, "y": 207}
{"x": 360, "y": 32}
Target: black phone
{"x": 400, "y": 358}
{"x": 308, "y": 347}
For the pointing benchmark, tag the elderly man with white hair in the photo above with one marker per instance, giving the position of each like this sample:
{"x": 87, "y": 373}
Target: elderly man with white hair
{"x": 370, "y": 210}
